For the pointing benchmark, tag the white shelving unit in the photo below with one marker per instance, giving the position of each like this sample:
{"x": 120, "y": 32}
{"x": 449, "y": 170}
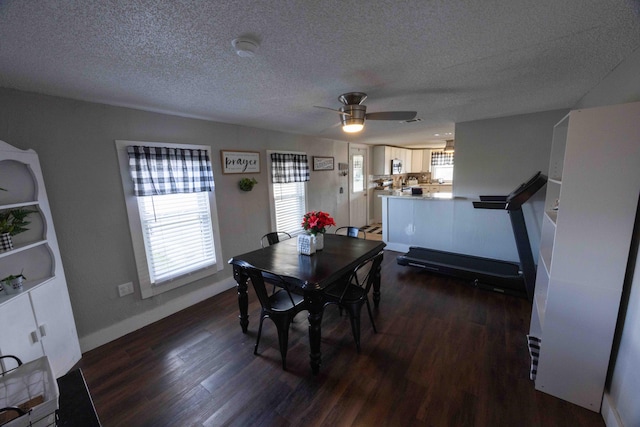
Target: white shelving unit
{"x": 38, "y": 321}
{"x": 590, "y": 210}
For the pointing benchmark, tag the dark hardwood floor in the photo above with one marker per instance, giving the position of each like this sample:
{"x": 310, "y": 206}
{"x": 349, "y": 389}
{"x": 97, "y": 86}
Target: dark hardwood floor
{"x": 446, "y": 354}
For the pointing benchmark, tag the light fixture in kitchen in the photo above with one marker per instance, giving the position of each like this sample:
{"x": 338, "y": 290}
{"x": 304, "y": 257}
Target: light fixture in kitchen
{"x": 448, "y": 148}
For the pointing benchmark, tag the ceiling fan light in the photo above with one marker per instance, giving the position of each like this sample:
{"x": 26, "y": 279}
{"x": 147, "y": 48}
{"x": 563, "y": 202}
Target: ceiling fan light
{"x": 352, "y": 128}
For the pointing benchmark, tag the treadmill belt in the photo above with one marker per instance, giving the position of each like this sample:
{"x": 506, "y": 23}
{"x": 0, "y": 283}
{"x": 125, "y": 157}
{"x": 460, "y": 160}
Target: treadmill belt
{"x": 496, "y": 275}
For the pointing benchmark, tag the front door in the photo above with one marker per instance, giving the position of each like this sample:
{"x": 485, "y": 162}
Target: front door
{"x": 358, "y": 200}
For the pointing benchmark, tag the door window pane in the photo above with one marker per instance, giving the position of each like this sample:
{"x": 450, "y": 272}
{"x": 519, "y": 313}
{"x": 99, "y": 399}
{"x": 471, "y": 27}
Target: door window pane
{"x": 357, "y": 165}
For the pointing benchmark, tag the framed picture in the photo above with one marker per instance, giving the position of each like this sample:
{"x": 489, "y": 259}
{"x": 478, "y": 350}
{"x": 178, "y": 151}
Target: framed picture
{"x": 240, "y": 161}
{"x": 322, "y": 163}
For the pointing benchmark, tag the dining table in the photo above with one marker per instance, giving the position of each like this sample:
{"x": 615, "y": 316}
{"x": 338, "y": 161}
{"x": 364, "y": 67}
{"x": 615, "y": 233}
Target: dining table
{"x": 309, "y": 274}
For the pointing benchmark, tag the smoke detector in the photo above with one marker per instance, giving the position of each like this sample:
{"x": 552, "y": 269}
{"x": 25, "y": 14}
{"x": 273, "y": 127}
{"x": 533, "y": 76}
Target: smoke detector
{"x": 245, "y": 48}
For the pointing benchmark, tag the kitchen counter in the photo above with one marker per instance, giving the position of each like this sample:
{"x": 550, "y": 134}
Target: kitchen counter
{"x": 423, "y": 196}
{"x": 442, "y": 222}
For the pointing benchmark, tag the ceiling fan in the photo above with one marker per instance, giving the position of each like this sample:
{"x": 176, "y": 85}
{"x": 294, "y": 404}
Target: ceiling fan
{"x": 353, "y": 114}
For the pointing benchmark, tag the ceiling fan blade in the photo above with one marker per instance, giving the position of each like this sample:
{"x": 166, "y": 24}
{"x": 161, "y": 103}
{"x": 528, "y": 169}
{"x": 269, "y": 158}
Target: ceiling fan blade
{"x": 333, "y": 109}
{"x": 392, "y": 115}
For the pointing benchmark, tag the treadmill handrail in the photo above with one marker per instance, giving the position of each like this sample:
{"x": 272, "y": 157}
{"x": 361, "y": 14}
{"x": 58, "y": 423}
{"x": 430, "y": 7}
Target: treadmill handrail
{"x": 493, "y": 198}
{"x": 516, "y": 198}
{"x": 490, "y": 205}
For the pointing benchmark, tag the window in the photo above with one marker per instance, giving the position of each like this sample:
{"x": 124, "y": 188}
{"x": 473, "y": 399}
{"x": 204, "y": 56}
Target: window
{"x": 177, "y": 232}
{"x": 289, "y": 203}
{"x": 441, "y": 166}
{"x": 288, "y": 197}
{"x": 174, "y": 229}
{"x": 357, "y": 162}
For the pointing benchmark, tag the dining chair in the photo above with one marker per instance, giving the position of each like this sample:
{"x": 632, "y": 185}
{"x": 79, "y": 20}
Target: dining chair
{"x": 352, "y": 293}
{"x": 273, "y": 238}
{"x": 281, "y": 306}
{"x": 351, "y": 232}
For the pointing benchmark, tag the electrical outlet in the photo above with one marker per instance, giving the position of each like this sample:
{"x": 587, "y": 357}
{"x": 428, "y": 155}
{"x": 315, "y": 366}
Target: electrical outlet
{"x": 125, "y": 289}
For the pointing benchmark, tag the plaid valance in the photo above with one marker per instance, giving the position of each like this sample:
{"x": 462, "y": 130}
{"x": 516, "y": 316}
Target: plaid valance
{"x": 287, "y": 167}
{"x": 439, "y": 158}
{"x": 162, "y": 170}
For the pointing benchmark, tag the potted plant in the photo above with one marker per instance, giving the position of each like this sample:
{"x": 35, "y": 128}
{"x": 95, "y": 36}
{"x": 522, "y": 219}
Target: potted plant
{"x": 13, "y": 284}
{"x": 12, "y": 222}
{"x": 316, "y": 223}
{"x": 247, "y": 184}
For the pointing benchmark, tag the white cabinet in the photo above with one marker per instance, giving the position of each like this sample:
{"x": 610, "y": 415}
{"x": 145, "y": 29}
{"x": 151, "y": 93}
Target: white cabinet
{"x": 406, "y": 156}
{"x": 382, "y": 156}
{"x": 19, "y": 329}
{"x": 584, "y": 249}
{"x": 377, "y": 204}
{"x": 381, "y": 160}
{"x": 42, "y": 313}
{"x": 416, "y": 161}
{"x": 420, "y": 161}
{"x": 426, "y": 160}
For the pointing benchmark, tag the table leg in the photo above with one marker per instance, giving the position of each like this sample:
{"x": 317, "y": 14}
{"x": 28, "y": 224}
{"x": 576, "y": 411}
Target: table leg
{"x": 376, "y": 287}
{"x": 316, "y": 307}
{"x": 243, "y": 298}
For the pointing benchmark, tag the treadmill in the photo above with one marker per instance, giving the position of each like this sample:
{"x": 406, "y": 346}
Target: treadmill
{"x": 501, "y": 276}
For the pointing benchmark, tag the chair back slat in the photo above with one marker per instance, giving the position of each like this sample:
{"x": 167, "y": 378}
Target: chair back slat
{"x": 351, "y": 232}
{"x": 364, "y": 274}
{"x": 273, "y": 237}
{"x": 259, "y": 280}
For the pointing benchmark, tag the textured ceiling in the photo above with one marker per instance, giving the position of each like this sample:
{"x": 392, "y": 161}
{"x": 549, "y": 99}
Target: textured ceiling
{"x": 449, "y": 60}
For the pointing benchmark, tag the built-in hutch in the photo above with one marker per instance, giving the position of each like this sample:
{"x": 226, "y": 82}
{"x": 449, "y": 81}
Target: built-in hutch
{"x": 590, "y": 211}
{"x": 37, "y": 321}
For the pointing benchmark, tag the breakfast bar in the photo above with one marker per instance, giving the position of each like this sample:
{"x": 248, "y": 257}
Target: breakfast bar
{"x": 447, "y": 223}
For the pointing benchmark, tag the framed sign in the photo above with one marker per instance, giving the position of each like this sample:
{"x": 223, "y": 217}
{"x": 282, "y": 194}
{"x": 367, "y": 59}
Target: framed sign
{"x": 322, "y": 163}
{"x": 240, "y": 161}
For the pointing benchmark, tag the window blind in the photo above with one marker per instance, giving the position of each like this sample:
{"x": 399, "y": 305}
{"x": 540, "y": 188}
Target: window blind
{"x": 178, "y": 235}
{"x": 289, "y": 203}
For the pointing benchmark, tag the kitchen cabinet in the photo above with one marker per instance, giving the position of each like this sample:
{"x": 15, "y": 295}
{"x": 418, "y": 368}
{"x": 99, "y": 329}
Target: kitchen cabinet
{"x": 382, "y": 156}
{"x": 377, "y": 204}
{"x": 426, "y": 160}
{"x": 382, "y": 160}
{"x": 584, "y": 249}
{"x": 416, "y": 161}
{"x": 41, "y": 313}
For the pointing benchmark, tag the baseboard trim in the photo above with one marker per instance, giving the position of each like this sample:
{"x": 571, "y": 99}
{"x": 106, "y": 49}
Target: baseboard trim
{"x": 103, "y": 336}
{"x": 610, "y": 413}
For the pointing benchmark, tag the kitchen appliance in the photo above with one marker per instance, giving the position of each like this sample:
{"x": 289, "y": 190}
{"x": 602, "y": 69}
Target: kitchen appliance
{"x": 396, "y": 167}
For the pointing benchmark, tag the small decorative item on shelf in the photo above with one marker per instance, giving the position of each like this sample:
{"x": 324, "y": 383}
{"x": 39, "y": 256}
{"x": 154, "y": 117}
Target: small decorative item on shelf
{"x": 13, "y": 284}
{"x": 12, "y": 222}
{"x": 316, "y": 223}
{"x": 247, "y": 184}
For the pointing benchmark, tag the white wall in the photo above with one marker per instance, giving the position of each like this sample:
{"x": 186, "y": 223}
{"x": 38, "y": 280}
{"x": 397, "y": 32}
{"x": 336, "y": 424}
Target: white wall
{"x": 75, "y": 142}
{"x": 493, "y": 157}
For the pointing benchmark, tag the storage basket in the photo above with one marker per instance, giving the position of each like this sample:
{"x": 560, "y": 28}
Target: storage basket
{"x": 31, "y": 382}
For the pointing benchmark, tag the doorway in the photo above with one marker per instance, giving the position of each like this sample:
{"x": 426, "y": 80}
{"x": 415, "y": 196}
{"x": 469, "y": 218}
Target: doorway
{"x": 358, "y": 186}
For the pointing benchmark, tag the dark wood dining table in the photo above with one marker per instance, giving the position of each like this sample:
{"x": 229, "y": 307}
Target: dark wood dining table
{"x": 309, "y": 273}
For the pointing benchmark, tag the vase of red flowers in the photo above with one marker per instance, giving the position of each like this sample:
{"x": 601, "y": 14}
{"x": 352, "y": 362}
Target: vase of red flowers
{"x": 316, "y": 223}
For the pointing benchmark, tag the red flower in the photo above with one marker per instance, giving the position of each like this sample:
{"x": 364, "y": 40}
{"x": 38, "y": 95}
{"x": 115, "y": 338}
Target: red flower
{"x": 316, "y": 222}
